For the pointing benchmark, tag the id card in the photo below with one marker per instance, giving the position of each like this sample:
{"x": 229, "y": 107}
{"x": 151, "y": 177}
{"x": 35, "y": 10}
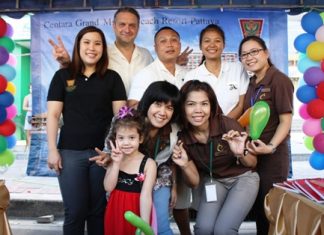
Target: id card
{"x": 211, "y": 194}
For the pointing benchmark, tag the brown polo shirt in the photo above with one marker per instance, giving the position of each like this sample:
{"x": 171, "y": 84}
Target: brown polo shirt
{"x": 223, "y": 161}
{"x": 277, "y": 90}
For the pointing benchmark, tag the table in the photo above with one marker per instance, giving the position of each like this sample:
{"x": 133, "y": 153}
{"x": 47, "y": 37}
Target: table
{"x": 4, "y": 203}
{"x": 290, "y": 213}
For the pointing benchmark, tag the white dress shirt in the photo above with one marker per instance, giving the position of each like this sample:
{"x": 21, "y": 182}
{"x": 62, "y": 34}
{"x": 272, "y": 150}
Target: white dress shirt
{"x": 232, "y": 82}
{"x": 141, "y": 57}
{"x": 156, "y": 71}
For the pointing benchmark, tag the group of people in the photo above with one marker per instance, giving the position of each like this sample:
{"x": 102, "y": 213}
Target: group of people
{"x": 166, "y": 131}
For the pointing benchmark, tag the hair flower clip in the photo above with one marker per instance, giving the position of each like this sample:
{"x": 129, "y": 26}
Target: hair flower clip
{"x": 140, "y": 177}
{"x": 124, "y": 112}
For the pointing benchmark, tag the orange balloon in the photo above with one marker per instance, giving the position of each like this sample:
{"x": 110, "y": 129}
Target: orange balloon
{"x": 244, "y": 120}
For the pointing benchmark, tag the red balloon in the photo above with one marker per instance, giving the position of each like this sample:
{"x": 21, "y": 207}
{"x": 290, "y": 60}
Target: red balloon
{"x": 320, "y": 90}
{"x": 3, "y": 27}
{"x": 315, "y": 108}
{"x": 7, "y": 128}
{"x": 322, "y": 65}
{"x": 3, "y": 83}
{"x": 318, "y": 142}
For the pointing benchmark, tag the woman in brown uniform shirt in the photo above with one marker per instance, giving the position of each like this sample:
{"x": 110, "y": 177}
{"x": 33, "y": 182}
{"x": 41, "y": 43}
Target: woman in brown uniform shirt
{"x": 274, "y": 87}
{"x": 216, "y": 145}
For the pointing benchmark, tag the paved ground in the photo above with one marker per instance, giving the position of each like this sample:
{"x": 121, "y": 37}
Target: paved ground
{"x": 43, "y": 196}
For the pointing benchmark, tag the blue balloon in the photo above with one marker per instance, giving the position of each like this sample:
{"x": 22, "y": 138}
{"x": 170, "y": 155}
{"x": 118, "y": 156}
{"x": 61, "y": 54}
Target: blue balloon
{"x": 11, "y": 141}
{"x": 316, "y": 160}
{"x": 302, "y": 41}
{"x": 306, "y": 93}
{"x": 3, "y": 114}
{"x": 8, "y": 72}
{"x": 6, "y": 99}
{"x": 305, "y": 63}
{"x": 311, "y": 22}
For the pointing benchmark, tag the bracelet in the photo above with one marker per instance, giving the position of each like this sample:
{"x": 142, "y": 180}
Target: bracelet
{"x": 273, "y": 148}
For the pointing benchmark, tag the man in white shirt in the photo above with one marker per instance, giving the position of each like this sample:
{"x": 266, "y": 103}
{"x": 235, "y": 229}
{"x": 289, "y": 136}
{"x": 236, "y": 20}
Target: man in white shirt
{"x": 125, "y": 57}
{"x": 167, "y": 47}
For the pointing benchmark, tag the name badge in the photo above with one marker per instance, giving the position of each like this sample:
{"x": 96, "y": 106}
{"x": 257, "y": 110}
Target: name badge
{"x": 211, "y": 193}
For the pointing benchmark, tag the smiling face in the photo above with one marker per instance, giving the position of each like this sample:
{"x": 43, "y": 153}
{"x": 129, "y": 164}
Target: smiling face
{"x": 197, "y": 108}
{"x": 91, "y": 49}
{"x": 212, "y": 45}
{"x": 253, "y": 57}
{"x": 128, "y": 140}
{"x": 167, "y": 45}
{"x": 125, "y": 27}
{"x": 159, "y": 114}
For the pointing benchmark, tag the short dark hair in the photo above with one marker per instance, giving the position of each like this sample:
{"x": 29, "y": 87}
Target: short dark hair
{"x": 258, "y": 40}
{"x": 129, "y": 10}
{"x": 196, "y": 85}
{"x": 160, "y": 91}
{"x": 165, "y": 28}
{"x": 77, "y": 66}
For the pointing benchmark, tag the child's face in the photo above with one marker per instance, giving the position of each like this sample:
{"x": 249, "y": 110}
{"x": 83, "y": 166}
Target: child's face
{"x": 128, "y": 140}
{"x": 160, "y": 113}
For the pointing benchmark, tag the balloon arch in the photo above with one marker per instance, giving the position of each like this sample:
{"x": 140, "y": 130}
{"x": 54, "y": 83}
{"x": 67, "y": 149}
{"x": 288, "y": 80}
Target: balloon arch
{"x": 311, "y": 89}
{"x": 8, "y": 110}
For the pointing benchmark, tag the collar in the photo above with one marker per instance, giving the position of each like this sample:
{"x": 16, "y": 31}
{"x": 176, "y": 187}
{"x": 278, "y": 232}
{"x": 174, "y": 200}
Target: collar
{"x": 224, "y": 68}
{"x": 113, "y": 49}
{"x": 214, "y": 131}
{"x": 162, "y": 67}
{"x": 267, "y": 78}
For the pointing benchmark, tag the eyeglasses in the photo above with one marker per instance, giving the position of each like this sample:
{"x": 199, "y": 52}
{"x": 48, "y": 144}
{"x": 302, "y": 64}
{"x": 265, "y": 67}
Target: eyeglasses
{"x": 253, "y": 52}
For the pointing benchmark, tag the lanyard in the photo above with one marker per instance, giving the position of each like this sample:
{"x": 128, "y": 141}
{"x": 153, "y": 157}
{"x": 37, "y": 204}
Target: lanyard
{"x": 156, "y": 147}
{"x": 256, "y": 95}
{"x": 211, "y": 153}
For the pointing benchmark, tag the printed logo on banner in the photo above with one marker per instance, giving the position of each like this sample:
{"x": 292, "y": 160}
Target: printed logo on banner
{"x": 251, "y": 27}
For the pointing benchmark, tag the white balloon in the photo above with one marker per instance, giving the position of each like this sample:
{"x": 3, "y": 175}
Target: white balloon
{"x": 319, "y": 35}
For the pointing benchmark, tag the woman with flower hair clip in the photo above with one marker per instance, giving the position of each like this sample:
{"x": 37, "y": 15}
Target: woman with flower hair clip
{"x": 131, "y": 176}
{"x": 159, "y": 109}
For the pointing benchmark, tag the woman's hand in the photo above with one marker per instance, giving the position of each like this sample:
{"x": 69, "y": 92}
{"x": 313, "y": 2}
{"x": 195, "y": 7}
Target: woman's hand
{"x": 257, "y": 147}
{"x": 54, "y": 160}
{"x": 102, "y": 159}
{"x": 236, "y": 141}
{"x": 179, "y": 155}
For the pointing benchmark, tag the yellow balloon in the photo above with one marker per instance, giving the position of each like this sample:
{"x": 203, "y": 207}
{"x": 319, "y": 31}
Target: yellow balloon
{"x": 11, "y": 88}
{"x": 315, "y": 51}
